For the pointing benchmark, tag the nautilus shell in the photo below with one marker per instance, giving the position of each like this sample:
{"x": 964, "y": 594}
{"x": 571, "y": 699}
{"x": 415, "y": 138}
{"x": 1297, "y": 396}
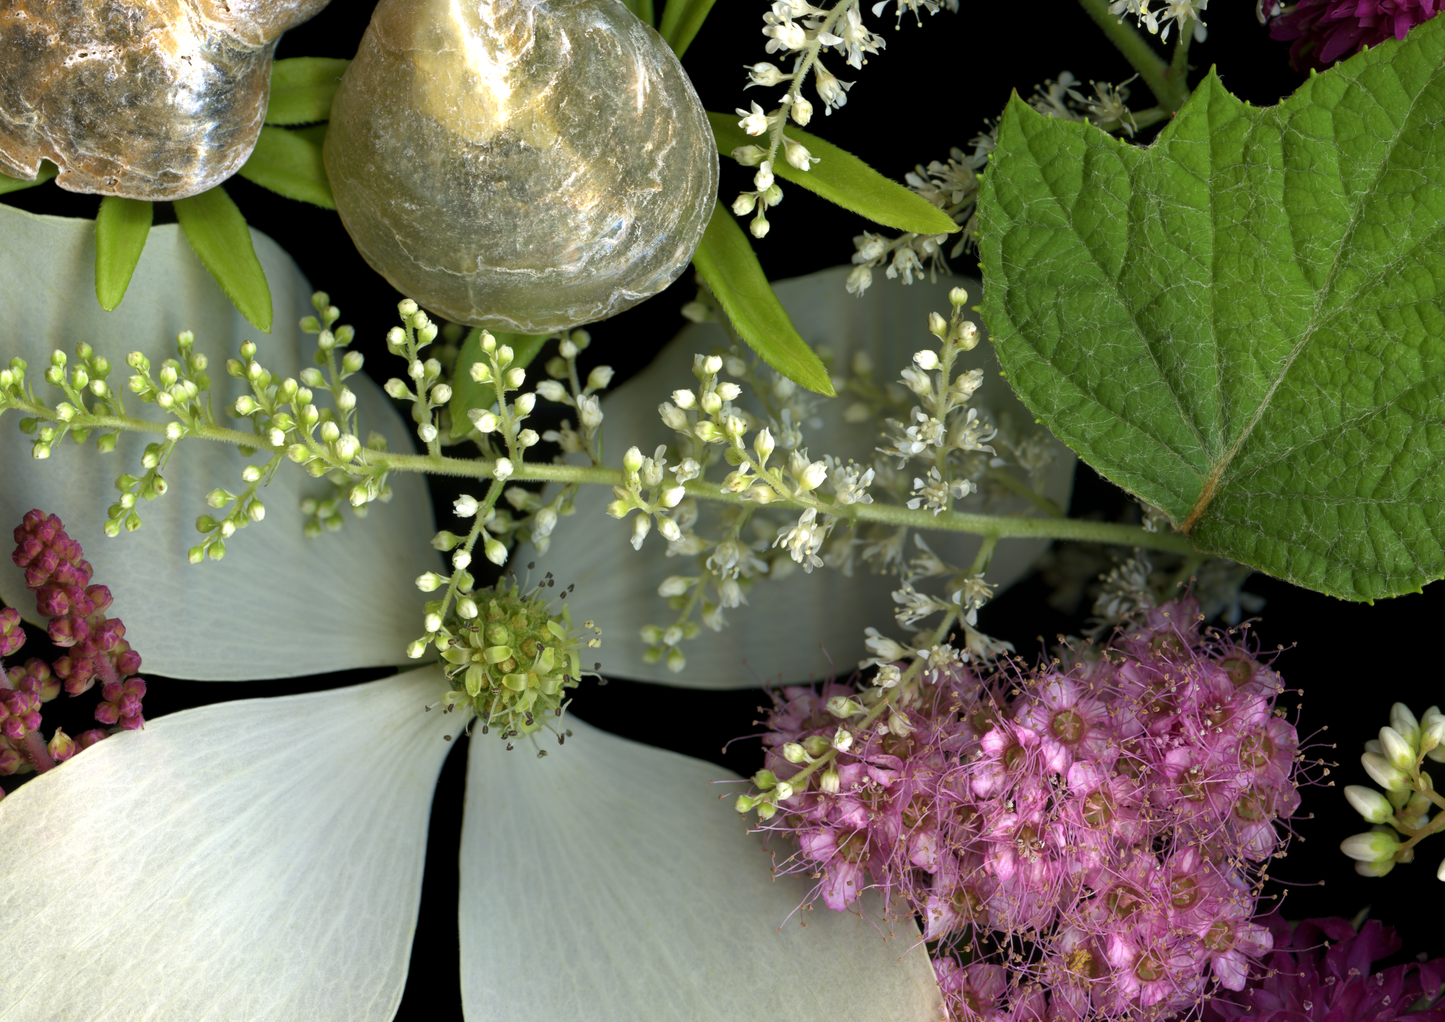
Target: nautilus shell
{"x": 149, "y": 99}
{"x": 523, "y": 165}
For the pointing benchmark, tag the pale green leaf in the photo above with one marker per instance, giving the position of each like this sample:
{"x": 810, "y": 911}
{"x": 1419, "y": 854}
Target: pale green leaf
{"x": 467, "y": 393}
{"x": 842, "y": 178}
{"x": 258, "y": 860}
{"x": 289, "y": 163}
{"x": 16, "y": 184}
{"x": 610, "y": 883}
{"x": 342, "y": 601}
{"x": 221, "y": 240}
{"x": 681, "y": 21}
{"x": 302, "y": 89}
{"x": 728, "y": 265}
{"x": 793, "y": 626}
{"x": 1242, "y": 323}
{"x": 121, "y": 228}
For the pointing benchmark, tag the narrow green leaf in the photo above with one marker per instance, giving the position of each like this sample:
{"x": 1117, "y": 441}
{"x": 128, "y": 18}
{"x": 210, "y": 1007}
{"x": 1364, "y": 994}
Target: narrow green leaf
{"x": 727, "y": 264}
{"x": 1243, "y": 323}
{"x": 302, "y": 89}
{"x": 467, "y": 393}
{"x": 16, "y": 184}
{"x": 841, "y": 177}
{"x": 289, "y": 163}
{"x": 681, "y": 20}
{"x": 121, "y": 228}
{"x": 221, "y": 240}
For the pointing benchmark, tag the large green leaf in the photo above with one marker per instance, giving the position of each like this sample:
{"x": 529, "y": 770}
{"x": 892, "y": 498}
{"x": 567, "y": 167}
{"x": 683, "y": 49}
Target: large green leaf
{"x": 121, "y": 229}
{"x": 728, "y": 265}
{"x": 289, "y": 163}
{"x": 302, "y": 89}
{"x": 1242, "y": 324}
{"x": 841, "y": 177}
{"x": 218, "y": 234}
{"x": 467, "y": 393}
{"x": 681, "y": 20}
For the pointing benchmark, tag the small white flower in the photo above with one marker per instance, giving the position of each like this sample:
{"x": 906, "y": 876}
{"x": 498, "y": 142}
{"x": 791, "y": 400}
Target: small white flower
{"x": 797, "y": 155}
{"x": 754, "y": 122}
{"x": 502, "y": 470}
{"x": 764, "y": 74}
{"x": 763, "y": 179}
{"x": 589, "y": 411}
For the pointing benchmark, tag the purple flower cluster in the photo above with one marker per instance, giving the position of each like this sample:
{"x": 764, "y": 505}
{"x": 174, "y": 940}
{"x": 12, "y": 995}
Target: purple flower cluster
{"x": 1080, "y": 841}
{"x": 1321, "y": 973}
{"x": 59, "y": 576}
{"x": 1323, "y": 31}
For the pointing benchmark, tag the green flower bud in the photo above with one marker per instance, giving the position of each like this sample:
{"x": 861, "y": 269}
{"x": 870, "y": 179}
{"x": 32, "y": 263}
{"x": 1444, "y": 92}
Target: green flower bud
{"x": 1398, "y": 752}
{"x": 1370, "y": 847}
{"x": 1383, "y": 773}
{"x": 1369, "y": 803}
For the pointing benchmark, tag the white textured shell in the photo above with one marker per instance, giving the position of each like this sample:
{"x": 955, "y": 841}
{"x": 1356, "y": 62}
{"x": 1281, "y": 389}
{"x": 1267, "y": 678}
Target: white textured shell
{"x": 148, "y": 99}
{"x": 522, "y": 165}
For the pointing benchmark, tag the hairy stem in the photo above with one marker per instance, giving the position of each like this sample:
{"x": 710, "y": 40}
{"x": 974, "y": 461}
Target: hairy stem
{"x": 1170, "y": 93}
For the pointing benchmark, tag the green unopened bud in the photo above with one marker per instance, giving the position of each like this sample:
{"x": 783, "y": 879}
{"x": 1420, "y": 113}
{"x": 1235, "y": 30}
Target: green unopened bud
{"x": 1384, "y": 774}
{"x": 795, "y": 753}
{"x": 1403, "y": 721}
{"x": 1375, "y": 869}
{"x": 815, "y": 745}
{"x": 745, "y": 803}
{"x": 842, "y": 707}
{"x": 1369, "y": 803}
{"x": 829, "y": 781}
{"x": 1399, "y": 753}
{"x": 1370, "y": 847}
{"x": 495, "y": 551}
{"x": 1432, "y": 735}
{"x": 765, "y": 780}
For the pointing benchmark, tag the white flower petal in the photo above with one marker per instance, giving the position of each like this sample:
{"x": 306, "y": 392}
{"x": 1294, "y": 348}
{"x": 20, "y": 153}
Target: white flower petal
{"x": 607, "y": 881}
{"x": 251, "y": 861}
{"x": 790, "y": 628}
{"x": 344, "y": 600}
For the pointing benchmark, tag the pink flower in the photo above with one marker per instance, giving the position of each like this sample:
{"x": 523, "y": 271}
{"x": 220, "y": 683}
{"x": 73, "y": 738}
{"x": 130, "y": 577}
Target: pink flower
{"x": 1068, "y": 722}
{"x": 1321, "y": 972}
{"x": 1326, "y": 30}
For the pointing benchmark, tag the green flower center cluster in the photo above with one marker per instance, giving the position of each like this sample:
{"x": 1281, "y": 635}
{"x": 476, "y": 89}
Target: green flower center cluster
{"x": 515, "y": 660}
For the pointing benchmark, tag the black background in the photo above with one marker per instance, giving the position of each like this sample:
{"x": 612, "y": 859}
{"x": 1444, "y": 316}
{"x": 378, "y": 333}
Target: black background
{"x": 931, "y": 89}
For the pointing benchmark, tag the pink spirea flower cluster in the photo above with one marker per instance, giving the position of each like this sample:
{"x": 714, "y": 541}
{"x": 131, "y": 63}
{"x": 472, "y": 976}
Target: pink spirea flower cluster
{"x": 1323, "y": 31}
{"x": 1321, "y": 973}
{"x": 1082, "y": 841}
{"x": 59, "y": 576}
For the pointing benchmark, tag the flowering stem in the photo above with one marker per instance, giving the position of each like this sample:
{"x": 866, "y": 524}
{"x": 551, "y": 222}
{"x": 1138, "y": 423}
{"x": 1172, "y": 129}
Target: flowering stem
{"x": 1169, "y": 91}
{"x": 1002, "y": 526}
{"x": 905, "y": 685}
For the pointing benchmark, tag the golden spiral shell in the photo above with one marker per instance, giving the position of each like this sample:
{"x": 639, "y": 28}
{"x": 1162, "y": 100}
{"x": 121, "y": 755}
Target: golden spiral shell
{"x": 523, "y": 165}
{"x": 148, "y": 99}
